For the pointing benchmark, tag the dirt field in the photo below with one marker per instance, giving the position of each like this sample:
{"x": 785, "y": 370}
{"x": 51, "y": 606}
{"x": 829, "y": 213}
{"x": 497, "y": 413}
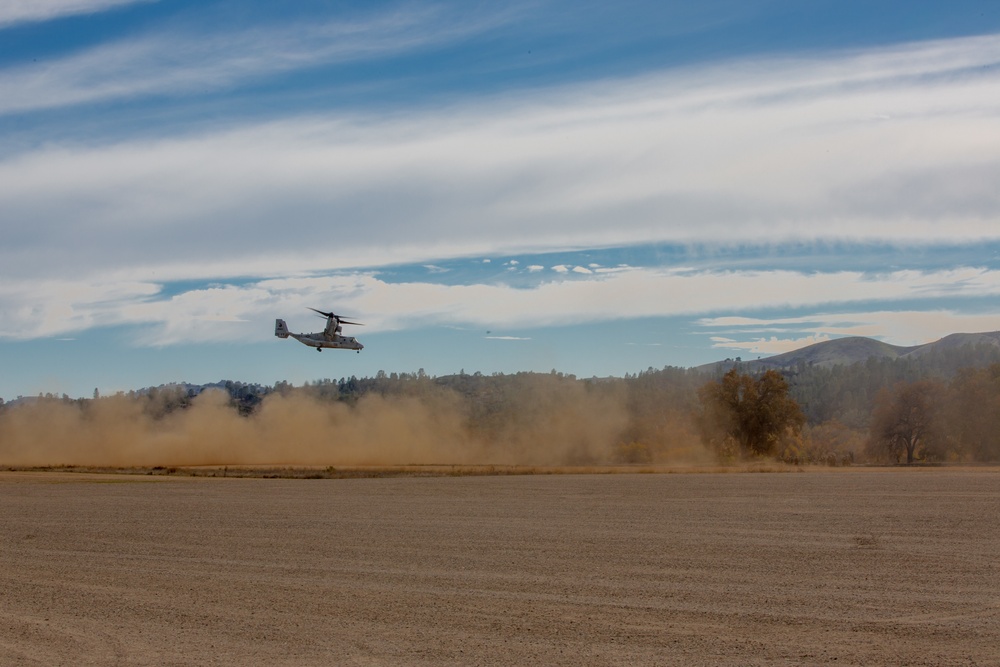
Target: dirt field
{"x": 870, "y": 567}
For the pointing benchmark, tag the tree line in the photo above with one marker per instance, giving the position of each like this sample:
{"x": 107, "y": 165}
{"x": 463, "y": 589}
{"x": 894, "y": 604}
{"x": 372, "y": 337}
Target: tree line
{"x": 945, "y": 408}
{"x": 879, "y": 411}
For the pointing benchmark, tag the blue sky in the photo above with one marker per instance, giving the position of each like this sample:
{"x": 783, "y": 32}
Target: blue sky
{"x": 595, "y": 188}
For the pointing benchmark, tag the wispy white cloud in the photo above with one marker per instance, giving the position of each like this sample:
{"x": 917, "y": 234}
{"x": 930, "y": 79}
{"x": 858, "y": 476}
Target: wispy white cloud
{"x": 773, "y": 150}
{"x": 726, "y": 301}
{"x": 900, "y": 327}
{"x": 30, "y": 11}
{"x": 772, "y": 345}
{"x": 52, "y": 307}
{"x": 187, "y": 60}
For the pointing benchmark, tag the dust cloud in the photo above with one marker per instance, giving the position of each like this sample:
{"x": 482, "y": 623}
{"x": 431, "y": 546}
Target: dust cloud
{"x": 542, "y": 423}
{"x": 293, "y": 430}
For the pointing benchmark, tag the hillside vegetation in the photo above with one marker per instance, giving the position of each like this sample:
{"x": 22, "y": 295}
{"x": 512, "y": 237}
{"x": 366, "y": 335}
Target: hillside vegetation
{"x": 859, "y": 401}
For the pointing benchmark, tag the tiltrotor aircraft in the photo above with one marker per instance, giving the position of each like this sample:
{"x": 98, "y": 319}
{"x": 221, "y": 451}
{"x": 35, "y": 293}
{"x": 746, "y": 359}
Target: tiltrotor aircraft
{"x": 330, "y": 337}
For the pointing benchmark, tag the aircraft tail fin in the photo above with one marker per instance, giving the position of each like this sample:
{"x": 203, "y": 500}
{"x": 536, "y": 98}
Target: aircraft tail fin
{"x": 280, "y": 329}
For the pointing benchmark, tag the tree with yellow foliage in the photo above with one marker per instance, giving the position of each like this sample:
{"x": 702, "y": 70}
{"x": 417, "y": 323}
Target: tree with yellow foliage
{"x": 743, "y": 416}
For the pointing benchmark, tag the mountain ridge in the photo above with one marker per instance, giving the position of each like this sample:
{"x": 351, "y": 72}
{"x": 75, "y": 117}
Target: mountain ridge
{"x": 858, "y": 349}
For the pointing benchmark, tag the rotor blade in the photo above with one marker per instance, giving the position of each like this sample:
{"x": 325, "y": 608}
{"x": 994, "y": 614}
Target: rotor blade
{"x": 339, "y": 319}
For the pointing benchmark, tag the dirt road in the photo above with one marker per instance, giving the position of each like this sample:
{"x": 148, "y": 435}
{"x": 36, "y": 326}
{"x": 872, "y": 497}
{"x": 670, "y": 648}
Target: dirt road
{"x": 847, "y": 568}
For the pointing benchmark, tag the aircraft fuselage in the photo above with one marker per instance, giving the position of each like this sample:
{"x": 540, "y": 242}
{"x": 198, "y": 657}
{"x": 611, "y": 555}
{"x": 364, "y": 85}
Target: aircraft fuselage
{"x": 330, "y": 338}
{"x": 318, "y": 340}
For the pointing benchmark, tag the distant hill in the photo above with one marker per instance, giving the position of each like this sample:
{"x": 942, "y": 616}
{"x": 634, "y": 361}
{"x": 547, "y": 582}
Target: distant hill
{"x": 971, "y": 349}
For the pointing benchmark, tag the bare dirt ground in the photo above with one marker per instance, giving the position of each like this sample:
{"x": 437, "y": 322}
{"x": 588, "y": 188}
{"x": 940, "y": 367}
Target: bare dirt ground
{"x": 871, "y": 567}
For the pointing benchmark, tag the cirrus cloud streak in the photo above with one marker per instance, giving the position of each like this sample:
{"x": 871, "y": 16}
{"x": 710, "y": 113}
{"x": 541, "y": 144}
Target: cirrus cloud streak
{"x": 246, "y": 312}
{"x": 13, "y": 12}
{"x": 896, "y": 145}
